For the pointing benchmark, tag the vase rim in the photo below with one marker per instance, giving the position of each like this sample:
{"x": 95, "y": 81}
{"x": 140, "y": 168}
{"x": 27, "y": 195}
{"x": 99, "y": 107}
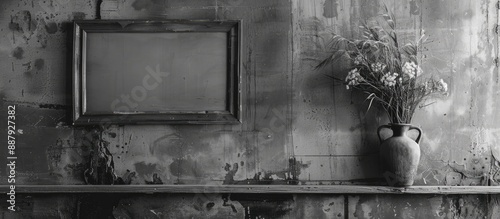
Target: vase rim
{"x": 392, "y": 123}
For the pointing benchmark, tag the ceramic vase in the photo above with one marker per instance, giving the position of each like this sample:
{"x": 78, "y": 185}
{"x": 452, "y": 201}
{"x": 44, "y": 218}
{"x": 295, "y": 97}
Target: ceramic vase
{"x": 399, "y": 154}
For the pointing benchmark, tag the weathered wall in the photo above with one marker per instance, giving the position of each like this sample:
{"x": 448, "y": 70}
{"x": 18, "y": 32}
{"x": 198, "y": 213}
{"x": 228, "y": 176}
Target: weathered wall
{"x": 34, "y": 53}
{"x": 297, "y": 127}
{"x": 258, "y": 149}
{"x": 459, "y": 144}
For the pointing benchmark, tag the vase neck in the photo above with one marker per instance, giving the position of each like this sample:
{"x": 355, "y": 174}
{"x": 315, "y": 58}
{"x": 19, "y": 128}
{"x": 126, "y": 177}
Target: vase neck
{"x": 399, "y": 129}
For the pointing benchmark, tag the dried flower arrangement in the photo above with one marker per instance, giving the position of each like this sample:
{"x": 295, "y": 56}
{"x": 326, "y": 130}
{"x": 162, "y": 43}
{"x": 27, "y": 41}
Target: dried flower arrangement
{"x": 385, "y": 70}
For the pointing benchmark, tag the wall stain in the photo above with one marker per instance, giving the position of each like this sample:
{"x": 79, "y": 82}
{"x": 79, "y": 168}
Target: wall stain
{"x": 145, "y": 169}
{"x": 226, "y": 203}
{"x": 229, "y": 178}
{"x": 210, "y": 205}
{"x": 15, "y": 27}
{"x": 39, "y": 63}
{"x": 369, "y": 8}
{"x": 101, "y": 166}
{"x": 112, "y": 135}
{"x": 54, "y": 106}
{"x": 184, "y": 167}
{"x": 21, "y": 22}
{"x": 75, "y": 170}
{"x": 170, "y": 144}
{"x": 453, "y": 178}
{"x": 79, "y": 15}
{"x": 419, "y": 206}
{"x": 156, "y": 179}
{"x": 28, "y": 67}
{"x": 145, "y": 4}
{"x": 414, "y": 8}
{"x": 54, "y": 153}
{"x": 51, "y": 27}
{"x": 126, "y": 179}
{"x": 18, "y": 53}
{"x": 296, "y": 167}
{"x": 330, "y": 9}
{"x": 277, "y": 205}
{"x": 42, "y": 40}
{"x": 287, "y": 176}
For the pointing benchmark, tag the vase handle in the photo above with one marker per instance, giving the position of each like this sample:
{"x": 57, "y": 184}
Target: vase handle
{"x": 380, "y": 129}
{"x": 419, "y": 133}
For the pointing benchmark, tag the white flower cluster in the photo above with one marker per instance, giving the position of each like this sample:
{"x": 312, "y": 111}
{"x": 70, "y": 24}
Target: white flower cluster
{"x": 358, "y": 60}
{"x": 442, "y": 86}
{"x": 411, "y": 70}
{"x": 353, "y": 78}
{"x": 389, "y": 79}
{"x": 378, "y": 67}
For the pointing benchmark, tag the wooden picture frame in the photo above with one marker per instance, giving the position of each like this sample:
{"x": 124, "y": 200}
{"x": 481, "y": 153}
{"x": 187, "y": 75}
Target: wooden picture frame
{"x": 176, "y": 71}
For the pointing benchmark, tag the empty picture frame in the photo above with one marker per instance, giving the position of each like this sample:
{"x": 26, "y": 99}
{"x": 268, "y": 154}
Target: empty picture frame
{"x": 163, "y": 72}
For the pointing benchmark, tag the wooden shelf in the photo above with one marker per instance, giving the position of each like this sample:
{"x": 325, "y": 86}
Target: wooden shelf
{"x": 277, "y": 189}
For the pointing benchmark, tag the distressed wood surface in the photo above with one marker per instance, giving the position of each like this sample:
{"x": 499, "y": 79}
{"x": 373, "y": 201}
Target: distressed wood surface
{"x": 256, "y": 151}
{"x": 420, "y": 206}
{"x": 296, "y": 128}
{"x": 257, "y": 189}
{"x": 249, "y": 206}
{"x": 296, "y": 125}
{"x": 331, "y": 133}
{"x": 331, "y": 124}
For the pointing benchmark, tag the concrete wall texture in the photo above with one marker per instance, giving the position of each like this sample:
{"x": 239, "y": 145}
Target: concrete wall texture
{"x": 297, "y": 127}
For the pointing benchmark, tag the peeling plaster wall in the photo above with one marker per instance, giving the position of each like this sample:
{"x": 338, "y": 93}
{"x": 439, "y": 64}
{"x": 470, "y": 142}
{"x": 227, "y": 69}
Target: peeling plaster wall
{"x": 332, "y": 130}
{"x": 34, "y": 53}
{"x": 297, "y": 129}
{"x": 258, "y": 149}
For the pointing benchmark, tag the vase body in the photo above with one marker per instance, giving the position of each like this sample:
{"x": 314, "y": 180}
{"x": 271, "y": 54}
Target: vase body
{"x": 399, "y": 155}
